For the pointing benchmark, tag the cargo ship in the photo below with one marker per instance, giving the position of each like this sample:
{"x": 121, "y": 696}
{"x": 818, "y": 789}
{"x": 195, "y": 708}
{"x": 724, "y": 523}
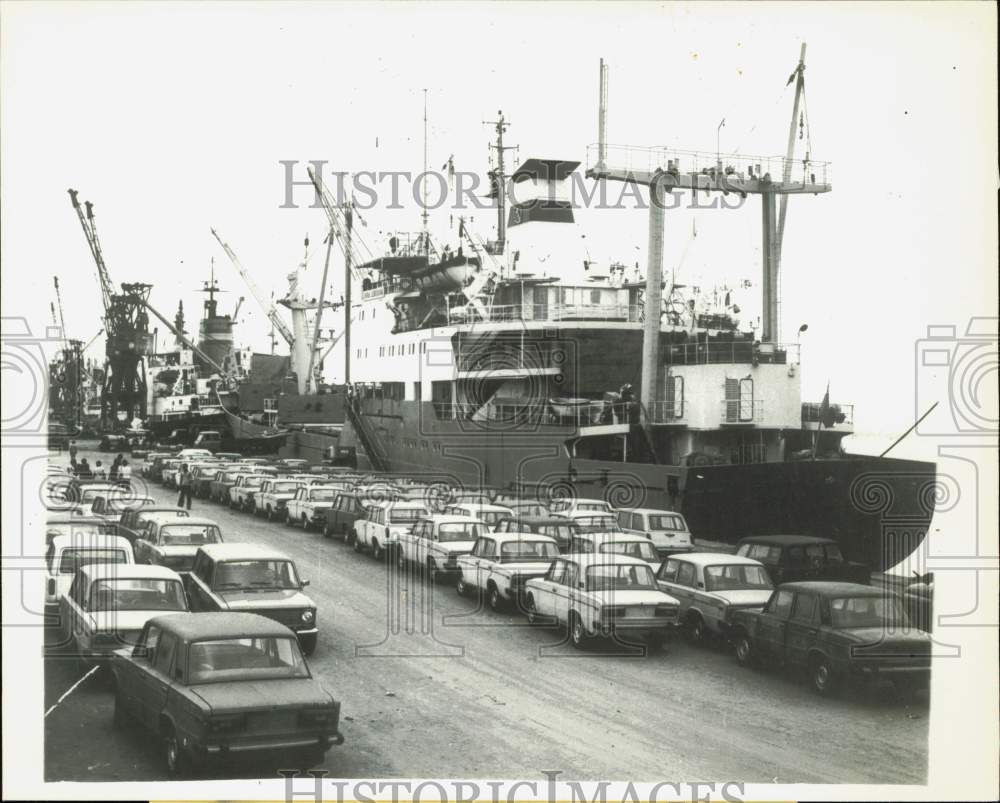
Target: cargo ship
{"x": 509, "y": 364}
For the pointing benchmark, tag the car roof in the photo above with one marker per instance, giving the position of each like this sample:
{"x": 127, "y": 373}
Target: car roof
{"x": 235, "y": 551}
{"x": 832, "y": 588}
{"x": 128, "y": 571}
{"x": 785, "y": 540}
{"x": 588, "y": 559}
{"x": 714, "y": 559}
{"x": 504, "y": 538}
{"x": 88, "y": 539}
{"x": 199, "y": 626}
{"x": 648, "y": 510}
{"x": 444, "y": 518}
{"x": 555, "y": 520}
{"x": 624, "y": 538}
{"x": 156, "y": 516}
{"x": 190, "y": 520}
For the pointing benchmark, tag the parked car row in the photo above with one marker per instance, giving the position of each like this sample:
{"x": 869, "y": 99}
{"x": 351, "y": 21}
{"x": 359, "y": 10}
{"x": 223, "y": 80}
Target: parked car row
{"x": 205, "y": 641}
{"x": 632, "y": 574}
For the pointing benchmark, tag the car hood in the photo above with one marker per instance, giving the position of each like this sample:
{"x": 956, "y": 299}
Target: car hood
{"x": 243, "y": 695}
{"x": 180, "y": 550}
{"x": 124, "y": 620}
{"x": 745, "y": 598}
{"x": 271, "y": 598}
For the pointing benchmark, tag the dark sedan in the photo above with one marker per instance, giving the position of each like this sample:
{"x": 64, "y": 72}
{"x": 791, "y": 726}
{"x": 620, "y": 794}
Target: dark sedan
{"x": 836, "y": 632}
{"x": 790, "y": 558}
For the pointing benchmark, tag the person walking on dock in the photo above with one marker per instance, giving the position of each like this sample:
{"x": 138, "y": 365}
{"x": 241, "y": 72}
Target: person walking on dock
{"x": 184, "y": 483}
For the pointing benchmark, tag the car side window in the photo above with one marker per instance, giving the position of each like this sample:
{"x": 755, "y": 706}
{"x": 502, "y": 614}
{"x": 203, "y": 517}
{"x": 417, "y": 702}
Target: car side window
{"x": 669, "y": 571}
{"x": 557, "y": 571}
{"x": 745, "y": 550}
{"x": 489, "y": 548}
{"x": 164, "y": 659}
{"x": 795, "y": 556}
{"x": 780, "y": 604}
{"x": 685, "y": 574}
{"x": 624, "y": 518}
{"x": 805, "y": 609}
{"x": 572, "y": 575}
{"x": 477, "y": 549}
{"x": 205, "y": 570}
{"x": 150, "y": 641}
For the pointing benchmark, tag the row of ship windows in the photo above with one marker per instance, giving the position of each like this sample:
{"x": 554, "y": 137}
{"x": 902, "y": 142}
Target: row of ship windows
{"x": 392, "y": 351}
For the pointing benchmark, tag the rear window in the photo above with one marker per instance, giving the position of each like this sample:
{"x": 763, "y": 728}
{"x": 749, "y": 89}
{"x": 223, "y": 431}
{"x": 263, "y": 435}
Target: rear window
{"x": 190, "y": 534}
{"x": 73, "y": 558}
{"x": 407, "y": 514}
{"x": 643, "y": 550}
{"x": 137, "y": 594}
{"x": 460, "y": 531}
{"x": 322, "y": 494}
{"x": 663, "y": 521}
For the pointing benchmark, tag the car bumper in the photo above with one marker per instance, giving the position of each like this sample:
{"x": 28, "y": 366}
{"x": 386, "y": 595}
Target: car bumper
{"x": 255, "y": 745}
{"x": 915, "y": 672}
{"x": 640, "y": 627}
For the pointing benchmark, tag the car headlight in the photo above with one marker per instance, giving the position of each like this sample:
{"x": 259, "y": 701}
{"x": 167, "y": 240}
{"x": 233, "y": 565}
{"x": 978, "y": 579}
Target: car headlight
{"x": 308, "y": 616}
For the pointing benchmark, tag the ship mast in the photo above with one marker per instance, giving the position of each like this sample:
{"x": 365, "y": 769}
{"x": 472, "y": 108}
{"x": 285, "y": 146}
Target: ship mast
{"x": 499, "y": 179}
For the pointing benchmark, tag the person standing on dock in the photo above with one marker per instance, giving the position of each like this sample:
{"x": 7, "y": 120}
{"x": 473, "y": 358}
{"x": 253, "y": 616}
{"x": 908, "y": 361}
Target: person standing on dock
{"x": 184, "y": 483}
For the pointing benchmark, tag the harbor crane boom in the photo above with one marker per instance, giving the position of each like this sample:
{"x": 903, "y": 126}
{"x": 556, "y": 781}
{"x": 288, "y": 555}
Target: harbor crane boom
{"x": 62, "y": 320}
{"x": 270, "y": 310}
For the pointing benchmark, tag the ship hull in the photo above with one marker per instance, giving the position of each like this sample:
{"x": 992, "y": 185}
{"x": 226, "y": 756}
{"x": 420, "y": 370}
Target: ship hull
{"x": 878, "y": 509}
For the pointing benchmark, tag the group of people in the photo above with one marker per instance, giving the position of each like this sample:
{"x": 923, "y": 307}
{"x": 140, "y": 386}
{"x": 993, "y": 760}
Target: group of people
{"x": 119, "y": 470}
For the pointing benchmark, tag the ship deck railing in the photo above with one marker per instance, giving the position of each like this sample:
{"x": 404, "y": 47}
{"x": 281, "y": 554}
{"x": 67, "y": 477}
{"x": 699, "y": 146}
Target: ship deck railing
{"x": 540, "y": 411}
{"x": 505, "y": 313}
{"x": 839, "y": 415}
{"x": 705, "y": 352}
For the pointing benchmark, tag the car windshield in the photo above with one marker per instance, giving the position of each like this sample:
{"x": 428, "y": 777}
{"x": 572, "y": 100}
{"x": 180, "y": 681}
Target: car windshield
{"x": 137, "y": 594}
{"x": 601, "y": 506}
{"x": 245, "y": 659}
{"x": 460, "y": 531}
{"x": 643, "y": 550}
{"x": 189, "y": 534}
{"x": 867, "y": 611}
{"x": 284, "y": 487}
{"x": 73, "y": 558}
{"x": 528, "y": 551}
{"x": 257, "y": 573}
{"x": 598, "y": 524}
{"x": 736, "y": 577}
{"x": 612, "y": 577}
{"x": 402, "y": 515}
{"x": 322, "y": 494}
{"x": 663, "y": 521}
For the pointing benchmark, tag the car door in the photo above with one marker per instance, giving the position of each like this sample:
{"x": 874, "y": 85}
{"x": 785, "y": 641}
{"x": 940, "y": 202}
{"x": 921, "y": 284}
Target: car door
{"x": 568, "y": 592}
{"x": 487, "y": 559}
{"x": 545, "y": 596}
{"x": 201, "y": 573}
{"x": 154, "y": 682}
{"x": 772, "y": 624}
{"x": 802, "y": 628}
{"x": 684, "y": 585}
{"x": 470, "y": 563}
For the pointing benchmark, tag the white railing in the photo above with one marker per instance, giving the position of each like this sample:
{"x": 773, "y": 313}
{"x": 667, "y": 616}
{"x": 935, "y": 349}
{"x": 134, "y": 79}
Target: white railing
{"x": 625, "y": 313}
{"x": 620, "y": 159}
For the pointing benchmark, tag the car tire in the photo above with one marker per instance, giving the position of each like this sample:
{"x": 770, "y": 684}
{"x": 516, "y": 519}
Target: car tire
{"x": 577, "y": 632}
{"x": 530, "y": 611}
{"x": 356, "y": 542}
{"x": 461, "y": 587}
{"x": 175, "y": 757}
{"x": 377, "y": 551}
{"x": 269, "y": 513}
{"x": 744, "y": 651}
{"x": 307, "y": 644}
{"x": 821, "y": 676}
{"x": 694, "y": 629}
{"x": 431, "y": 569}
{"x": 495, "y": 598}
{"x": 327, "y": 530}
{"x": 305, "y": 524}
{"x": 400, "y": 559}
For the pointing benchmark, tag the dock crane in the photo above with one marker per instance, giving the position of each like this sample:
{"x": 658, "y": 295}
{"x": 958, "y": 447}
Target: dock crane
{"x": 665, "y": 170}
{"x": 123, "y": 394}
{"x": 270, "y": 310}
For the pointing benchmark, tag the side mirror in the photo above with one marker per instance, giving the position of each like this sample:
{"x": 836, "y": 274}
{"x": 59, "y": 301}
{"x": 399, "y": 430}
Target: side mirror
{"x": 304, "y": 583}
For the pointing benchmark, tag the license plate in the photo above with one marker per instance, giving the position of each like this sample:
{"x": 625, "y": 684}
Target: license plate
{"x": 272, "y": 720}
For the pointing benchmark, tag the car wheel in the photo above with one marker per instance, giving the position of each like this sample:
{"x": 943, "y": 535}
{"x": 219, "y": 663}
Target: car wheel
{"x": 695, "y": 629}
{"x": 307, "y": 643}
{"x": 495, "y": 598}
{"x": 461, "y": 587}
{"x": 400, "y": 560}
{"x": 356, "y": 542}
{"x": 431, "y": 569}
{"x": 177, "y": 761}
{"x": 744, "y": 650}
{"x": 822, "y": 677}
{"x": 577, "y": 631}
{"x": 377, "y": 552}
{"x": 327, "y": 531}
{"x": 305, "y": 524}
{"x": 269, "y": 514}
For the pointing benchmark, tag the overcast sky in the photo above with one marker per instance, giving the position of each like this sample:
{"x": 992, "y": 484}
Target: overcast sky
{"x": 173, "y": 118}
